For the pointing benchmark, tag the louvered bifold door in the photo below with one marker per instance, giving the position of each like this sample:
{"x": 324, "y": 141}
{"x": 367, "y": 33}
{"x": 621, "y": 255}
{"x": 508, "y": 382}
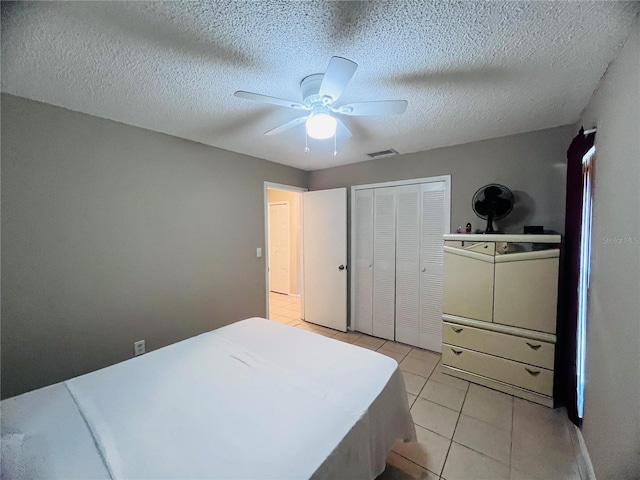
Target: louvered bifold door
{"x": 384, "y": 268}
{"x": 363, "y": 261}
{"x": 434, "y": 224}
{"x": 408, "y": 264}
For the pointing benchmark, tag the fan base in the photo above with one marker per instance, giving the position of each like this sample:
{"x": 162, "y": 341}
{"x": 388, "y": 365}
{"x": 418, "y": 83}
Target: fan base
{"x": 310, "y": 86}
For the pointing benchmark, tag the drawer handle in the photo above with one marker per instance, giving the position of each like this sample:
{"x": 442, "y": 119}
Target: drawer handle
{"x": 457, "y": 352}
{"x": 533, "y": 373}
{"x": 534, "y": 347}
{"x": 457, "y": 329}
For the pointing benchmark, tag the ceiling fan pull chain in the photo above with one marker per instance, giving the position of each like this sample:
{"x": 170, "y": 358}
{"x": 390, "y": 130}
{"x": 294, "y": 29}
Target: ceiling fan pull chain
{"x": 335, "y": 143}
{"x": 306, "y": 141}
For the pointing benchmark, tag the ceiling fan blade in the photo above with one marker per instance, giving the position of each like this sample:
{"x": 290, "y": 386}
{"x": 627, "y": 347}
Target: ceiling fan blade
{"x": 281, "y": 102}
{"x": 336, "y": 77}
{"x": 385, "y": 107}
{"x": 343, "y": 130}
{"x": 286, "y": 126}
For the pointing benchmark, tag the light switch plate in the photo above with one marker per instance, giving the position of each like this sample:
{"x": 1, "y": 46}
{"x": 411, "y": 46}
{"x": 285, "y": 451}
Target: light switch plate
{"x": 259, "y": 252}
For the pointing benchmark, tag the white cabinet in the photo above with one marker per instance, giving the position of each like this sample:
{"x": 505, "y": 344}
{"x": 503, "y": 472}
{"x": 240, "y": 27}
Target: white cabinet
{"x": 468, "y": 277}
{"x": 526, "y": 290}
{"x": 499, "y": 312}
{"x": 398, "y": 263}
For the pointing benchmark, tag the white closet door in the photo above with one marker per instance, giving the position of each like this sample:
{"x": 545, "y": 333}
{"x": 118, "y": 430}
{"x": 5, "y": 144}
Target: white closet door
{"x": 435, "y": 219}
{"x": 408, "y": 264}
{"x": 363, "y": 262}
{"x": 384, "y": 268}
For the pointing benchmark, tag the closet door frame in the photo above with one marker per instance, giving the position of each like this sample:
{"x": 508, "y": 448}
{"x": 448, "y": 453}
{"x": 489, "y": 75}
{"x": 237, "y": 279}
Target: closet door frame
{"x": 352, "y": 275}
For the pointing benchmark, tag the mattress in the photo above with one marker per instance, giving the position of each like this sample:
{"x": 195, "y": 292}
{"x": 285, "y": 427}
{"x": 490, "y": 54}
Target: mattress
{"x": 255, "y": 399}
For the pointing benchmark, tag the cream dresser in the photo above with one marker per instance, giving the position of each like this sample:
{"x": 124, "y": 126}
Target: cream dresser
{"x": 499, "y": 312}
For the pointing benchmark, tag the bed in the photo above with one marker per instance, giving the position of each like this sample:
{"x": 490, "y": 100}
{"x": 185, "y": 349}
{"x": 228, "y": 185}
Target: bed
{"x": 255, "y": 399}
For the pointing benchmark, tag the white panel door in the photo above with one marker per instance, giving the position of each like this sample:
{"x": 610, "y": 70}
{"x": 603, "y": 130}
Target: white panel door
{"x": 362, "y": 263}
{"x": 435, "y": 223}
{"x": 408, "y": 264}
{"x": 384, "y": 262}
{"x": 325, "y": 257}
{"x": 279, "y": 273}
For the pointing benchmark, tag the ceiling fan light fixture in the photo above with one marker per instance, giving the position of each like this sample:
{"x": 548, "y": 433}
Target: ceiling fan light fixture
{"x": 321, "y": 126}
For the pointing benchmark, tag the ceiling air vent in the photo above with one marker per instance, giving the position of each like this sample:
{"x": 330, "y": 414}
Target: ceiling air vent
{"x": 382, "y": 153}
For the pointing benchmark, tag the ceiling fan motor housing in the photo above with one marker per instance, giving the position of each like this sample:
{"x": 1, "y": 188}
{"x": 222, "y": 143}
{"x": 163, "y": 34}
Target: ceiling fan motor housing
{"x": 310, "y": 86}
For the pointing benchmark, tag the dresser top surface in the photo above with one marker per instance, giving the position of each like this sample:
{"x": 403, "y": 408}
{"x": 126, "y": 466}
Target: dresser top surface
{"x": 503, "y": 237}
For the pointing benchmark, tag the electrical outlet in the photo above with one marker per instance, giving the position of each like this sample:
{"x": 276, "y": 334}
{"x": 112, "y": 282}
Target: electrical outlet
{"x": 138, "y": 348}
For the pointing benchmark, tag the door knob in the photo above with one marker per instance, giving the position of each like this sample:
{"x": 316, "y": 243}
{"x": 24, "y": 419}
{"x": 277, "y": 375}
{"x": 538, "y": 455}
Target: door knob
{"x": 341, "y": 267}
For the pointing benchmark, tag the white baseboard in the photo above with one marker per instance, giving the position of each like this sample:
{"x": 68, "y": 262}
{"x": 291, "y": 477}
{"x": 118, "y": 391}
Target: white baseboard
{"x": 584, "y": 462}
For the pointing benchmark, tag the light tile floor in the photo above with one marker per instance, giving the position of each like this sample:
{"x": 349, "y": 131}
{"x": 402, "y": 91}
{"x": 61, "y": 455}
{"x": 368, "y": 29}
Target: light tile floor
{"x": 465, "y": 431}
{"x": 284, "y": 308}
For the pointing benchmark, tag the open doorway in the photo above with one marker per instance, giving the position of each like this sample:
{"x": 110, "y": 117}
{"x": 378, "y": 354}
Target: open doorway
{"x": 283, "y": 210}
{"x": 316, "y": 297}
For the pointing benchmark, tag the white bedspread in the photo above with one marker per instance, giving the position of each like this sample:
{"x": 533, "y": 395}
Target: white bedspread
{"x": 255, "y": 399}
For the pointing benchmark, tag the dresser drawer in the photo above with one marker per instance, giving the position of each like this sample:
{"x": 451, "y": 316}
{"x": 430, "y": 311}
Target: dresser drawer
{"x": 519, "y": 374}
{"x": 525, "y": 350}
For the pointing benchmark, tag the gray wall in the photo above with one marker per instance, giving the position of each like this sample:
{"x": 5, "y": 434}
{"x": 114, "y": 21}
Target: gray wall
{"x": 532, "y": 165}
{"x": 611, "y": 425}
{"x": 112, "y": 234}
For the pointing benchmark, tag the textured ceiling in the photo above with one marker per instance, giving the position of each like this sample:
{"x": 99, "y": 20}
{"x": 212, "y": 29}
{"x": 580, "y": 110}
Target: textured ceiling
{"x": 470, "y": 70}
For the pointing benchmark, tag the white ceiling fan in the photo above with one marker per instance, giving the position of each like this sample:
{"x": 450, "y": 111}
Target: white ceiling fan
{"x": 320, "y": 92}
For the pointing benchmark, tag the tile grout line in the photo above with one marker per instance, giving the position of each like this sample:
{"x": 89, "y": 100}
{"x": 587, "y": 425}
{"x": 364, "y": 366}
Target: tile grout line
{"x": 454, "y": 431}
{"x": 423, "y": 468}
{"x": 459, "y": 412}
{"x": 491, "y": 425}
{"x": 417, "y": 464}
{"x": 466, "y": 390}
{"x": 443, "y": 406}
{"x": 427, "y": 378}
{"x": 413, "y": 403}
